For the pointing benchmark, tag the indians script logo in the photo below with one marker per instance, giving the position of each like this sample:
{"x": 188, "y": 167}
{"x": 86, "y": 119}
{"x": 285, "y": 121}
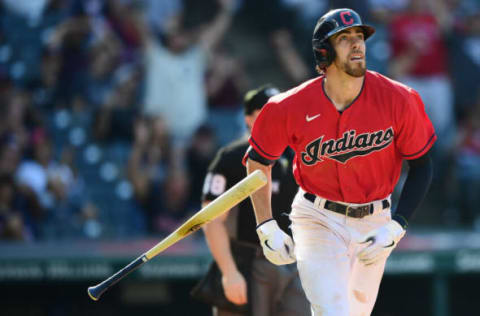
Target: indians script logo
{"x": 349, "y": 146}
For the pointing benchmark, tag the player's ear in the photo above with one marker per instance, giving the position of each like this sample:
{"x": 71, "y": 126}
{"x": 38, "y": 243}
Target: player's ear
{"x": 255, "y": 115}
{"x": 249, "y": 120}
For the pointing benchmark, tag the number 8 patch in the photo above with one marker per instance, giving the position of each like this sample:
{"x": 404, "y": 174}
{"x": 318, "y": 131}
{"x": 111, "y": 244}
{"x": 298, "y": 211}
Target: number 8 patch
{"x": 214, "y": 183}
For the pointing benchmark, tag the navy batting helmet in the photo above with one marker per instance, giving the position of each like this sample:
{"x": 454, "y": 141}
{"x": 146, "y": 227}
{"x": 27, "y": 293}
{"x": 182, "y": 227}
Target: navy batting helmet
{"x": 329, "y": 24}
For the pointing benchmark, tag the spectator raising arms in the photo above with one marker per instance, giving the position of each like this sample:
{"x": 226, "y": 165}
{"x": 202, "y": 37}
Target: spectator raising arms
{"x": 175, "y": 73}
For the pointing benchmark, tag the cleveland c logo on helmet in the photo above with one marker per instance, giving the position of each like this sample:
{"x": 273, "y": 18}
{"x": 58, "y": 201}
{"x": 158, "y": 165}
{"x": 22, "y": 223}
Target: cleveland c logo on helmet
{"x": 330, "y": 24}
{"x": 348, "y": 20}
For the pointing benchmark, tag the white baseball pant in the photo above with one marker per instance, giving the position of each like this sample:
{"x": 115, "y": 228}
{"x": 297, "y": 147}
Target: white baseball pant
{"x": 335, "y": 282}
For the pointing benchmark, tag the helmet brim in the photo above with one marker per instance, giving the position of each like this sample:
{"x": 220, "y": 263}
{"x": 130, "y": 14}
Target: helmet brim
{"x": 367, "y": 30}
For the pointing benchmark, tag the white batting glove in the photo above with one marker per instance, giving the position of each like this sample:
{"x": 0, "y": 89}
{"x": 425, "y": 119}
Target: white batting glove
{"x": 382, "y": 242}
{"x": 277, "y": 246}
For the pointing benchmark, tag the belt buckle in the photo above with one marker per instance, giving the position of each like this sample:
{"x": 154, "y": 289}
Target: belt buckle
{"x": 349, "y": 208}
{"x": 358, "y": 211}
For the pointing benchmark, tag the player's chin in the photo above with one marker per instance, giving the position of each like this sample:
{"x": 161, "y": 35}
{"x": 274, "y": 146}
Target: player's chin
{"x": 356, "y": 69}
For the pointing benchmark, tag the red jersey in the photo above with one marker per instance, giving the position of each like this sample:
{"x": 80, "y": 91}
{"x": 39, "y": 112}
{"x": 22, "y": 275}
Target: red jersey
{"x": 354, "y": 156}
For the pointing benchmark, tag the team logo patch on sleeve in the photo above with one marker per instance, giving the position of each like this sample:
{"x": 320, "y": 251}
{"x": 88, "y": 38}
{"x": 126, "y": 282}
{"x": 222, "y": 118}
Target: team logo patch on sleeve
{"x": 349, "y": 146}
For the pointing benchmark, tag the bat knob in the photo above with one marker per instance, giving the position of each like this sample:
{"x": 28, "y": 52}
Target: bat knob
{"x": 95, "y": 292}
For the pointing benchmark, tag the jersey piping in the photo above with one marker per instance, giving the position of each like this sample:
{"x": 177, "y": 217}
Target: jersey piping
{"x": 427, "y": 146}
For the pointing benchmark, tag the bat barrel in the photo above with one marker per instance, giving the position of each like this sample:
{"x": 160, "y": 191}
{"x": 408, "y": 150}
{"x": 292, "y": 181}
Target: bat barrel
{"x": 97, "y": 290}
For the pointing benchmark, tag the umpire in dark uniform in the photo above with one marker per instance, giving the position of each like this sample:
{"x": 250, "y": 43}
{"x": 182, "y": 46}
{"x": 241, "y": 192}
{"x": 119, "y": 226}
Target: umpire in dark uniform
{"x": 247, "y": 283}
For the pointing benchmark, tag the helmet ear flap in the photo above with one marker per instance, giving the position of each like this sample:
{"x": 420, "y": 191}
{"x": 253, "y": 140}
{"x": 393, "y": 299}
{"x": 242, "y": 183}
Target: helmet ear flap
{"x": 324, "y": 53}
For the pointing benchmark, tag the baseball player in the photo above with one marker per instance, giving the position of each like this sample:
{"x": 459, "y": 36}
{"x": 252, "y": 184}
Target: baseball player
{"x": 350, "y": 128}
{"x": 271, "y": 290}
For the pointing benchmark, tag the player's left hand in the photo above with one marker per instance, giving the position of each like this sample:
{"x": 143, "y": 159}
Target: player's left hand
{"x": 382, "y": 242}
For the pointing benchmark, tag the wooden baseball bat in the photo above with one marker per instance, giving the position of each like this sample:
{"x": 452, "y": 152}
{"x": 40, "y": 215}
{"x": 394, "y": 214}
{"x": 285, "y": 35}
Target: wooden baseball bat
{"x": 220, "y": 205}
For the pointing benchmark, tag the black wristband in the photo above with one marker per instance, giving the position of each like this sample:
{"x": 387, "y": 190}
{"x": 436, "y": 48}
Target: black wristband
{"x": 268, "y": 220}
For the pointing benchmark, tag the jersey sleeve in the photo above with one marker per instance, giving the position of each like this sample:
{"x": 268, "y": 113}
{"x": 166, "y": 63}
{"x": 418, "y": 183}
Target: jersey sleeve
{"x": 224, "y": 171}
{"x": 269, "y": 135}
{"x": 415, "y": 132}
{"x": 216, "y": 180}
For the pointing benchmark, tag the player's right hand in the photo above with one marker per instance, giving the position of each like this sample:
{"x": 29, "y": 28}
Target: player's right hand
{"x": 277, "y": 246}
{"x": 235, "y": 287}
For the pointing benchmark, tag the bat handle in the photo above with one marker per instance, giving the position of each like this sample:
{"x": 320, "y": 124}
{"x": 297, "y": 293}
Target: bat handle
{"x": 97, "y": 290}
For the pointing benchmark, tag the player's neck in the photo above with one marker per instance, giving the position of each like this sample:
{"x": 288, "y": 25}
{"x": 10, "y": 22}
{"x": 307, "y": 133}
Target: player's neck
{"x": 342, "y": 89}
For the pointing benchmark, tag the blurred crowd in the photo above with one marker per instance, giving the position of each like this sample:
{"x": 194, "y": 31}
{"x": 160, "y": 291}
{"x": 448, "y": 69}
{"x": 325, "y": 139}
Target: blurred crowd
{"x": 111, "y": 110}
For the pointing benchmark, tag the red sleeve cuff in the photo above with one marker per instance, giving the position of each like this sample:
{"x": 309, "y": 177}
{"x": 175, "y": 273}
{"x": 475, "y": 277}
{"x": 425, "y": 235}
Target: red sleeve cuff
{"x": 422, "y": 151}
{"x": 260, "y": 151}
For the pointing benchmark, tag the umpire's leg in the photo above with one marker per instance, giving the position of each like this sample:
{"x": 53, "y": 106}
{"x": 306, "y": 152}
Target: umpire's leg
{"x": 292, "y": 300}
